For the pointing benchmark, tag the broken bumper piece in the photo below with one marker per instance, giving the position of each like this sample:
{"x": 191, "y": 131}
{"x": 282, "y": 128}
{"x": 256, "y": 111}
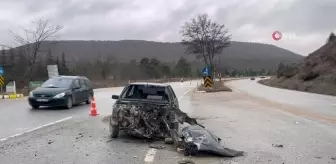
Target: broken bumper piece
{"x": 197, "y": 139}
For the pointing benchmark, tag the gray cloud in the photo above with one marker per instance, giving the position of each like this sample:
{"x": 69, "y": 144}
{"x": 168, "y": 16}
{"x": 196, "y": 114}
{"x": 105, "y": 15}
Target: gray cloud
{"x": 248, "y": 20}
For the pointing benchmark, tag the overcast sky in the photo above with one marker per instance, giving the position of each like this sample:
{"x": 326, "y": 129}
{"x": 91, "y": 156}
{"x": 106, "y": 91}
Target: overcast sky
{"x": 305, "y": 24}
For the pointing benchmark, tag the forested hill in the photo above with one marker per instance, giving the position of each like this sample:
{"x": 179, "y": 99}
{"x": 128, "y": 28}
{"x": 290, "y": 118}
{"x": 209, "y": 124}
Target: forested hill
{"x": 240, "y": 55}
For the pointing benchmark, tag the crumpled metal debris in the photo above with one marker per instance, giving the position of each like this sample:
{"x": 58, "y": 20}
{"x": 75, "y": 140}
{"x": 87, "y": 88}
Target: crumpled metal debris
{"x": 150, "y": 121}
{"x": 158, "y": 122}
{"x": 198, "y": 139}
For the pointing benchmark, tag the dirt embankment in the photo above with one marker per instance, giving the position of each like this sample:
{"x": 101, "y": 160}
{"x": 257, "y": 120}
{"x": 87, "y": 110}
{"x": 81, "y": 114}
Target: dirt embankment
{"x": 316, "y": 73}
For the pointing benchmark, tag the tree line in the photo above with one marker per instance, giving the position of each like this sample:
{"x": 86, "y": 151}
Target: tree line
{"x": 104, "y": 68}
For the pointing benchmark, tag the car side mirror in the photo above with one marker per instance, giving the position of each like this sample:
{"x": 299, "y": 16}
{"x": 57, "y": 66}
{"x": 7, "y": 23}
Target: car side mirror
{"x": 115, "y": 97}
{"x": 75, "y": 87}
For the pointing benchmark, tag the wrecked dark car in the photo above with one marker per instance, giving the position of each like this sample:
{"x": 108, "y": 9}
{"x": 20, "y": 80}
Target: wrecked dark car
{"x": 145, "y": 110}
{"x": 151, "y": 111}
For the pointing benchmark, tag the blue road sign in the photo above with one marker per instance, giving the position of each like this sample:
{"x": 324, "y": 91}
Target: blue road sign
{"x": 2, "y": 71}
{"x": 205, "y": 71}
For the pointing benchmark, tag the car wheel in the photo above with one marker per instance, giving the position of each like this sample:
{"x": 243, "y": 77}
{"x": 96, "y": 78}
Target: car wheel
{"x": 114, "y": 131}
{"x": 35, "y": 106}
{"x": 69, "y": 103}
{"x": 89, "y": 99}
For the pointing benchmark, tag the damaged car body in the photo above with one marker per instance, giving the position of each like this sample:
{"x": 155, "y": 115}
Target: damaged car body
{"x": 146, "y": 110}
{"x": 151, "y": 111}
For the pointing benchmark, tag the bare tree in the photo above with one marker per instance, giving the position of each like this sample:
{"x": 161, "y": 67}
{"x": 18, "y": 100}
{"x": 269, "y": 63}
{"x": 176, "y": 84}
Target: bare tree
{"x": 205, "y": 38}
{"x": 32, "y": 40}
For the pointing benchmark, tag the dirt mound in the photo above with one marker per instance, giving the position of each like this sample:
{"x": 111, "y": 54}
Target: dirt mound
{"x": 316, "y": 73}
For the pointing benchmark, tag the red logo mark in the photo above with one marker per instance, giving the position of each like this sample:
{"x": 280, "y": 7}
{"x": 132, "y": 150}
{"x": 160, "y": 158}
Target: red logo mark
{"x": 276, "y": 35}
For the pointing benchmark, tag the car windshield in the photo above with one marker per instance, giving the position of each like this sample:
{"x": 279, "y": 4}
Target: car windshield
{"x": 57, "y": 83}
{"x": 145, "y": 92}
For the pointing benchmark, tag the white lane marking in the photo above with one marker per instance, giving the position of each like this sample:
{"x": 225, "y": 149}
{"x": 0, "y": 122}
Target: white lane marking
{"x": 151, "y": 152}
{"x": 185, "y": 93}
{"x": 31, "y": 130}
{"x": 150, "y": 155}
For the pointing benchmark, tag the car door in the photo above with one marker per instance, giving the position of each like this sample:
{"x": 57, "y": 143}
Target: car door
{"x": 89, "y": 85}
{"x": 84, "y": 90}
{"x": 174, "y": 98}
{"x": 77, "y": 91}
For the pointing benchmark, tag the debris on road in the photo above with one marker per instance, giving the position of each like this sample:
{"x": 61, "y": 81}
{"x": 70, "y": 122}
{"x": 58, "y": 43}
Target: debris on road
{"x": 155, "y": 122}
{"x": 197, "y": 139}
{"x": 186, "y": 162}
{"x": 169, "y": 141}
{"x": 157, "y": 146}
{"x": 80, "y": 135}
{"x": 277, "y": 145}
{"x": 50, "y": 142}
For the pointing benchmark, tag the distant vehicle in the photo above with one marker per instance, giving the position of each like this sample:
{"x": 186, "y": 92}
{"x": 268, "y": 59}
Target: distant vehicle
{"x": 62, "y": 91}
{"x": 139, "y": 101}
{"x": 252, "y": 78}
{"x": 262, "y": 77}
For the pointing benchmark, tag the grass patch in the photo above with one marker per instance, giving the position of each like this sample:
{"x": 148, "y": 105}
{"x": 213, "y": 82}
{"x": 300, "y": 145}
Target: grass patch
{"x": 218, "y": 86}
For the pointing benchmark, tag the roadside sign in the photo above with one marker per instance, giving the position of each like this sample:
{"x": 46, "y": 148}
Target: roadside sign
{"x": 2, "y": 81}
{"x": 52, "y": 71}
{"x": 205, "y": 71}
{"x": 207, "y": 81}
{"x": 10, "y": 87}
{"x": 2, "y": 71}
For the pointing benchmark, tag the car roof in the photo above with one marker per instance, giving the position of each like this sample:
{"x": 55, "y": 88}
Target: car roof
{"x": 153, "y": 84}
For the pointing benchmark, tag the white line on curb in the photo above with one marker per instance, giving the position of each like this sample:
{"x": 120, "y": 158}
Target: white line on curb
{"x": 31, "y": 130}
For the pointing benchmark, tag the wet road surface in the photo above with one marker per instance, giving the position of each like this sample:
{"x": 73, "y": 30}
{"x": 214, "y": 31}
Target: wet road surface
{"x": 17, "y": 116}
{"x": 315, "y": 106}
{"x": 244, "y": 120}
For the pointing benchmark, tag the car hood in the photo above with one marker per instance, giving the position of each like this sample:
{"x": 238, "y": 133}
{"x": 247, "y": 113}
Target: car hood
{"x": 144, "y": 102}
{"x": 49, "y": 91}
{"x": 144, "y": 105}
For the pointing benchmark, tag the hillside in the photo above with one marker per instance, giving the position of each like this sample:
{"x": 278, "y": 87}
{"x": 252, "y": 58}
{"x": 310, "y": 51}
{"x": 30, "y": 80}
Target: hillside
{"x": 239, "y": 55}
{"x": 316, "y": 73}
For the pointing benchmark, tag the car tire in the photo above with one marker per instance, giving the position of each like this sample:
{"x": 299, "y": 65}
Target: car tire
{"x": 114, "y": 131}
{"x": 89, "y": 99}
{"x": 69, "y": 103}
{"x": 35, "y": 106}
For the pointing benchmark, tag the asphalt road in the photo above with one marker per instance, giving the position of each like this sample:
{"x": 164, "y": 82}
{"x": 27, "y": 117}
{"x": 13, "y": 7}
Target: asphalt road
{"x": 19, "y": 123}
{"x": 246, "y": 119}
{"x": 314, "y": 106}
{"x": 17, "y": 116}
